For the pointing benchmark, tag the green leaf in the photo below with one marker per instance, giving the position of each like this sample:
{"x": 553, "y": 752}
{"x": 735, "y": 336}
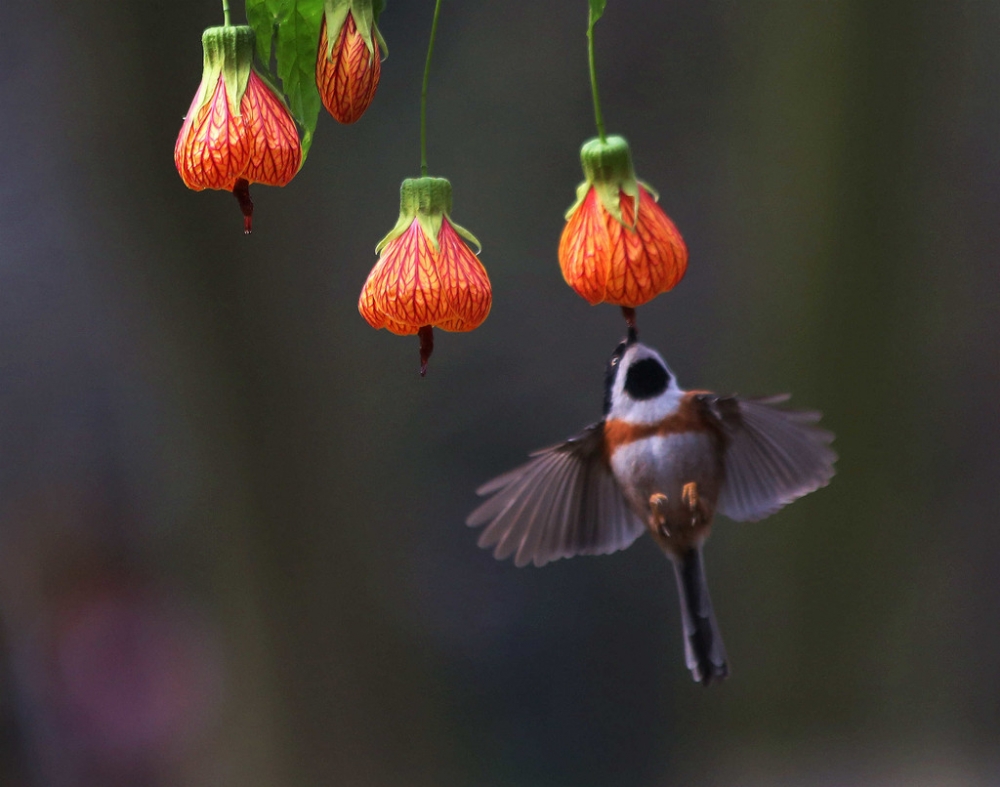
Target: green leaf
{"x": 291, "y": 28}
{"x": 262, "y": 16}
{"x": 297, "y": 43}
{"x": 596, "y": 10}
{"x": 378, "y": 6}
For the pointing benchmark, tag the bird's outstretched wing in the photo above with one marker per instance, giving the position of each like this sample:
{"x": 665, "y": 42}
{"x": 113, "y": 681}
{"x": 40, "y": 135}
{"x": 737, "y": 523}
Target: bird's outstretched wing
{"x": 563, "y": 502}
{"x": 772, "y": 457}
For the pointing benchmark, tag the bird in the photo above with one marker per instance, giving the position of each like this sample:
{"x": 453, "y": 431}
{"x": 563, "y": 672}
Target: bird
{"x": 662, "y": 460}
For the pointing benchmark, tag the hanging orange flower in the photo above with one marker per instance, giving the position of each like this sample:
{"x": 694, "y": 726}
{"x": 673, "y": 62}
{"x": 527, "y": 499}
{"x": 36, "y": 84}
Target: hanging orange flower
{"x": 618, "y": 245}
{"x": 426, "y": 276}
{"x": 348, "y": 62}
{"x": 237, "y": 131}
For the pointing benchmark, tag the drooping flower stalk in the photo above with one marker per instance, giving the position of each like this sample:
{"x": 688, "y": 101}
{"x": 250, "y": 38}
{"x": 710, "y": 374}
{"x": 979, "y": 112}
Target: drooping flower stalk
{"x": 423, "y": 90}
{"x": 618, "y": 245}
{"x": 426, "y": 276}
{"x": 598, "y": 117}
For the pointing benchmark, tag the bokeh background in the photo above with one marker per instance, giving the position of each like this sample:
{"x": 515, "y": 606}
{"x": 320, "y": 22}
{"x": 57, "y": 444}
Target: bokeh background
{"x": 232, "y": 548}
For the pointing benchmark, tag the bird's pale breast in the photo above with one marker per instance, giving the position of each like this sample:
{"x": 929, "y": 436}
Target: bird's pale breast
{"x": 665, "y": 464}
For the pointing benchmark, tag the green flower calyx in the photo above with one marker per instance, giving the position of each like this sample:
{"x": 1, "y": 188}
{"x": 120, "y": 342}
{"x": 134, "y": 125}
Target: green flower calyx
{"x": 229, "y": 52}
{"x": 428, "y": 200}
{"x": 365, "y": 13}
{"x": 607, "y": 165}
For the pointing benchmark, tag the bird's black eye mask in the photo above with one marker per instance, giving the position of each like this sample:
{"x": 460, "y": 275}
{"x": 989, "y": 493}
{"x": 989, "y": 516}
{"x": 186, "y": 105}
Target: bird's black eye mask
{"x": 611, "y": 373}
{"x": 646, "y": 379}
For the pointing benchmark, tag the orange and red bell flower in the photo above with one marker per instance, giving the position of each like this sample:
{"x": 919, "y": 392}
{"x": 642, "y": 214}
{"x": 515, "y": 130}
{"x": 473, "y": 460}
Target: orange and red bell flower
{"x": 427, "y": 276}
{"x": 618, "y": 245}
{"x": 237, "y": 131}
{"x": 348, "y": 61}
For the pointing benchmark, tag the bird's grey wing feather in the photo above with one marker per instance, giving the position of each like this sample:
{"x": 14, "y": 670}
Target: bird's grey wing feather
{"x": 563, "y": 502}
{"x": 772, "y": 456}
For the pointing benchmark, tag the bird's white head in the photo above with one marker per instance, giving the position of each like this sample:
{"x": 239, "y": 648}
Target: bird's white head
{"x": 639, "y": 387}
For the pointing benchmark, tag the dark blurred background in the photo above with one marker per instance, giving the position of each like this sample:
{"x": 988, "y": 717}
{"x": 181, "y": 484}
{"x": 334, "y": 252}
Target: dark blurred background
{"x": 232, "y": 548}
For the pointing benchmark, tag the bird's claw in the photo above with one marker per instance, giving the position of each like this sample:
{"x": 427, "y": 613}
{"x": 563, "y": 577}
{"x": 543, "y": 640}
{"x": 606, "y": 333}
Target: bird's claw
{"x": 689, "y": 495}
{"x": 658, "y": 508}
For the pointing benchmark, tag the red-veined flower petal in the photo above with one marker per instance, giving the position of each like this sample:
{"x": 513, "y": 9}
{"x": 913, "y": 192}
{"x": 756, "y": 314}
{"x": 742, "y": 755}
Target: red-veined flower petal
{"x": 468, "y": 292}
{"x": 276, "y": 152}
{"x": 606, "y": 260}
{"x": 371, "y": 313}
{"x": 426, "y": 276}
{"x": 404, "y": 287}
{"x": 212, "y": 148}
{"x": 655, "y": 257}
{"x": 585, "y": 249}
{"x": 348, "y": 78}
{"x": 413, "y": 285}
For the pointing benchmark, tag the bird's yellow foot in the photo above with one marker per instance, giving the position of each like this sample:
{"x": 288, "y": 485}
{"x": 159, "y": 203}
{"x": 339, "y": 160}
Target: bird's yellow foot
{"x": 689, "y": 495}
{"x": 658, "y": 511}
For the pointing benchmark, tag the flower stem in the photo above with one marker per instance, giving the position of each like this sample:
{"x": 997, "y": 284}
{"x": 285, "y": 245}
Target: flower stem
{"x": 423, "y": 92}
{"x": 225, "y": 13}
{"x": 593, "y": 78}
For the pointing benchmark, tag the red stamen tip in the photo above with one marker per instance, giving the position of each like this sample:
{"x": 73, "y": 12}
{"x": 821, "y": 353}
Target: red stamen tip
{"x": 426, "y": 334}
{"x": 629, "y": 314}
{"x": 242, "y": 193}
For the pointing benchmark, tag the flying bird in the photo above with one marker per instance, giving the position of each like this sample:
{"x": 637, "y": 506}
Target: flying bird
{"x": 664, "y": 461}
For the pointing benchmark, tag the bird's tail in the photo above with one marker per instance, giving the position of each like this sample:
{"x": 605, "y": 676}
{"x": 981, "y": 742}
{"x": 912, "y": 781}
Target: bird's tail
{"x": 706, "y": 655}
